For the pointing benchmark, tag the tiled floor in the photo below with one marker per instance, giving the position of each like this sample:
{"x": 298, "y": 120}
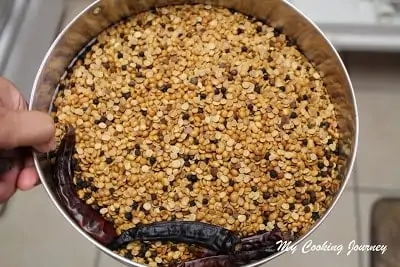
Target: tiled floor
{"x": 33, "y": 233}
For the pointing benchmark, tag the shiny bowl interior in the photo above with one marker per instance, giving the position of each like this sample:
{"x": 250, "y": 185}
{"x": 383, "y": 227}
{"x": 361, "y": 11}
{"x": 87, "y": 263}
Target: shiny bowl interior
{"x": 104, "y": 13}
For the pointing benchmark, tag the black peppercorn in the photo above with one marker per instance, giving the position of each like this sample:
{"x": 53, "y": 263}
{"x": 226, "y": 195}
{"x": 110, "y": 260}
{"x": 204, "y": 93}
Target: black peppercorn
{"x": 321, "y": 165}
{"x": 126, "y": 95}
{"x": 192, "y": 178}
{"x": 152, "y": 160}
{"x": 315, "y": 216}
{"x": 124, "y": 67}
{"x": 128, "y": 216}
{"x": 266, "y": 195}
{"x": 203, "y": 96}
{"x": 141, "y": 54}
{"x": 120, "y": 55}
{"x": 186, "y": 116}
{"x": 96, "y": 101}
{"x": 273, "y": 174}
{"x": 137, "y": 152}
{"x": 307, "y": 209}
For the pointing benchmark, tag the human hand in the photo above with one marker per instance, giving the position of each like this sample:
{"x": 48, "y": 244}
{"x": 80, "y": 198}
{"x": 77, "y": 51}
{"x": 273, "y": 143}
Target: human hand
{"x": 20, "y": 128}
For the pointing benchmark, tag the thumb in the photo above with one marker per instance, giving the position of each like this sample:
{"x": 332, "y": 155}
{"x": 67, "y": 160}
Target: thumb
{"x": 26, "y": 129}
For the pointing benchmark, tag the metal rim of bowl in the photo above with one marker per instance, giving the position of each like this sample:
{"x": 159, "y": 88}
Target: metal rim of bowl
{"x": 127, "y": 262}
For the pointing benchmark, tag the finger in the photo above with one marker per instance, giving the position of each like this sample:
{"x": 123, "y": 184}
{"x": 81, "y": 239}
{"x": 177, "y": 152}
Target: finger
{"x": 26, "y": 128}
{"x": 8, "y": 184}
{"x": 28, "y": 177}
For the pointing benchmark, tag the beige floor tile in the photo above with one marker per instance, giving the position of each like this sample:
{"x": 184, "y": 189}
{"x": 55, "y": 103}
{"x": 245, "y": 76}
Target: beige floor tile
{"x": 367, "y": 201}
{"x": 107, "y": 261}
{"x": 338, "y": 229}
{"x": 376, "y": 80}
{"x": 33, "y": 233}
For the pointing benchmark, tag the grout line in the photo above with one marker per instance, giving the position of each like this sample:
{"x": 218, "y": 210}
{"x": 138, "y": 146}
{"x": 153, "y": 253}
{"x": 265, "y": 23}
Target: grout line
{"x": 97, "y": 256}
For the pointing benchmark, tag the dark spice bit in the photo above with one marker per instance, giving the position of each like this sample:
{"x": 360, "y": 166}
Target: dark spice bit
{"x": 120, "y": 55}
{"x": 192, "y": 203}
{"x": 111, "y": 190}
{"x": 128, "y": 216}
{"x": 315, "y": 216}
{"x": 267, "y": 155}
{"x": 152, "y": 160}
{"x": 153, "y": 196}
{"x": 293, "y": 115}
{"x": 203, "y": 96}
{"x": 234, "y": 72}
{"x": 190, "y": 187}
{"x": 216, "y": 91}
{"x": 259, "y": 29}
{"x": 273, "y": 174}
{"x": 266, "y": 77}
{"x": 165, "y": 188}
{"x": 266, "y": 195}
{"x": 96, "y": 101}
{"x": 126, "y": 95}
{"x": 323, "y": 174}
{"x": 214, "y": 171}
{"x": 291, "y": 206}
{"x": 128, "y": 255}
{"x": 205, "y": 201}
{"x": 109, "y": 160}
{"x": 231, "y": 182}
{"x": 186, "y": 116}
{"x": 298, "y": 183}
{"x": 223, "y": 90}
{"x": 200, "y": 110}
{"x": 56, "y": 120}
{"x": 250, "y": 107}
{"x": 194, "y": 80}
{"x": 124, "y": 67}
{"x": 254, "y": 188}
{"x": 257, "y": 88}
{"x": 240, "y": 31}
{"x": 137, "y": 152}
{"x": 244, "y": 49}
{"x": 134, "y": 205}
{"x": 282, "y": 88}
{"x": 321, "y": 165}
{"x": 144, "y": 112}
{"x": 192, "y": 178}
{"x": 141, "y": 54}
{"x": 164, "y": 88}
{"x": 214, "y": 141}
{"x": 196, "y": 141}
{"x": 307, "y": 209}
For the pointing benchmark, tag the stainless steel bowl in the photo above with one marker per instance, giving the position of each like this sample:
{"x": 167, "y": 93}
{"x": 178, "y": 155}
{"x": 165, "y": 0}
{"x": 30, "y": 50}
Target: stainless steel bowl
{"x": 103, "y": 13}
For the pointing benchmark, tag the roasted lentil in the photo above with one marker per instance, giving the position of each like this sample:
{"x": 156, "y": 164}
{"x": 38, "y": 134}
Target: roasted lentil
{"x": 231, "y": 93}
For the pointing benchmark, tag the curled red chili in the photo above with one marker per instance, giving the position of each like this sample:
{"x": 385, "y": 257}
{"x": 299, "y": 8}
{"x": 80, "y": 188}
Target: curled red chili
{"x": 87, "y": 218}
